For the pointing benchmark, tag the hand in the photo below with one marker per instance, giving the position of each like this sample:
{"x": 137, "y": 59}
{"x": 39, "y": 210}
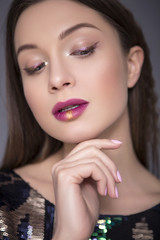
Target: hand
{"x": 78, "y": 180}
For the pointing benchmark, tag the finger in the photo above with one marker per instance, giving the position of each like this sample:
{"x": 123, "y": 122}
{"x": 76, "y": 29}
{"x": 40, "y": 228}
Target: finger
{"x": 91, "y": 151}
{"x": 75, "y": 173}
{"x": 98, "y": 143}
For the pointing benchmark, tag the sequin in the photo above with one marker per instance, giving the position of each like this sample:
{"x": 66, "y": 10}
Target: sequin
{"x": 103, "y": 226}
{"x": 25, "y": 214}
{"x": 3, "y": 226}
{"x": 141, "y": 230}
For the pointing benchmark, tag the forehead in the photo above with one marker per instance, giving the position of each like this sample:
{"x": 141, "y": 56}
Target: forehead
{"x": 51, "y": 17}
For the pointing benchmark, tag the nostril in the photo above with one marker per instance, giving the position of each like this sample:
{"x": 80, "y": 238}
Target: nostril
{"x": 54, "y": 88}
{"x": 66, "y": 84}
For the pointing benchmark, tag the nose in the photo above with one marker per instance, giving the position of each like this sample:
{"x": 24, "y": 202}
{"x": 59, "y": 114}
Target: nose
{"x": 60, "y": 78}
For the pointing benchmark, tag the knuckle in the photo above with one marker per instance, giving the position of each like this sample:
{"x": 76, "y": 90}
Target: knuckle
{"x": 114, "y": 168}
{"x": 111, "y": 188}
{"x": 110, "y": 180}
{"x": 60, "y": 172}
{"x": 105, "y": 181}
{"x": 94, "y": 164}
{"x": 93, "y": 150}
{"x": 87, "y": 143}
{"x": 54, "y": 167}
{"x": 83, "y": 144}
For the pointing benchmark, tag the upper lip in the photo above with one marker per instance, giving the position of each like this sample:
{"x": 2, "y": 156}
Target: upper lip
{"x": 71, "y": 102}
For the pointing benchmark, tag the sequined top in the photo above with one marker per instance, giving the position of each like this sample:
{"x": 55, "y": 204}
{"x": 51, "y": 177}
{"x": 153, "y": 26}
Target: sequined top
{"x": 26, "y": 214}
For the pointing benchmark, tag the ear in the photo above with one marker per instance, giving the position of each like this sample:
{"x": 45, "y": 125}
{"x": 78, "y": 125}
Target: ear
{"x": 135, "y": 62}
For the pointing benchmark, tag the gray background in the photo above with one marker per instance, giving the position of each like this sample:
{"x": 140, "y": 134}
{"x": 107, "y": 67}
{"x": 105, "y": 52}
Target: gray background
{"x": 147, "y": 13}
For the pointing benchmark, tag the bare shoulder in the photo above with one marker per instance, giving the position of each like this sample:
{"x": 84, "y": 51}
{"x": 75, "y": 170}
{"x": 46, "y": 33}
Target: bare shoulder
{"x": 39, "y": 170}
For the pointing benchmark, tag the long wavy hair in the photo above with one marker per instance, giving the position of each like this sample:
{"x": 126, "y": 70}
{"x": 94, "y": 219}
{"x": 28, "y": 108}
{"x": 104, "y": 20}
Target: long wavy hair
{"x": 27, "y": 142}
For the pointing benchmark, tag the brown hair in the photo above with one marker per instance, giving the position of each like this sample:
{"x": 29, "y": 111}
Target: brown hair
{"x": 27, "y": 142}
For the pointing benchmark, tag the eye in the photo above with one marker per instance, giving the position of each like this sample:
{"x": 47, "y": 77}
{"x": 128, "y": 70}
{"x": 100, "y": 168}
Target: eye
{"x": 35, "y": 69}
{"x": 85, "y": 51}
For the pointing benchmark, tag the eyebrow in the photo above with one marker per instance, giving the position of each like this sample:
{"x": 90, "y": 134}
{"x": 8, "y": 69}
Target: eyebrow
{"x": 25, "y": 47}
{"x": 63, "y": 35}
{"x": 70, "y": 30}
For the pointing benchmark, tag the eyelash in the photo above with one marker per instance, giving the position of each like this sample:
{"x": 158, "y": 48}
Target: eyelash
{"x": 85, "y": 52}
{"x": 82, "y": 53}
{"x": 34, "y": 69}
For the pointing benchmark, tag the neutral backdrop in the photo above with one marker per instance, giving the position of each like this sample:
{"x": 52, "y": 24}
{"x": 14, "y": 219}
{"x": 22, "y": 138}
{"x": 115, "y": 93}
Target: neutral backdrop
{"x": 147, "y": 13}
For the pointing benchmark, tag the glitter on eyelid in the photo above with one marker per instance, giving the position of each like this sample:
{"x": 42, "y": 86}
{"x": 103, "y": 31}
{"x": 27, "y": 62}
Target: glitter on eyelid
{"x": 37, "y": 65}
{"x": 83, "y": 49}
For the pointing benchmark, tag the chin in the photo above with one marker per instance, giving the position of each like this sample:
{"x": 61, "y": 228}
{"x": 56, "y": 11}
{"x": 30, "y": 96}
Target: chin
{"x": 78, "y": 136}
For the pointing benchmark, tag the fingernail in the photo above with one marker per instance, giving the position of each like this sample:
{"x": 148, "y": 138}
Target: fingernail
{"x": 106, "y": 191}
{"x": 116, "y": 141}
{"x": 119, "y": 176}
{"x": 116, "y": 192}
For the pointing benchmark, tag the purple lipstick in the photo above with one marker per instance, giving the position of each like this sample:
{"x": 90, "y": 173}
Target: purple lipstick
{"x": 69, "y": 110}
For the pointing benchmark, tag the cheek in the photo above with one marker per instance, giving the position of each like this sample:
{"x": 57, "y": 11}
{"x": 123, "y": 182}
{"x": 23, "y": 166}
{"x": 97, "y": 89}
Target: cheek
{"x": 106, "y": 79}
{"x": 114, "y": 91}
{"x": 34, "y": 95}
{"x": 113, "y": 85}
{"x": 107, "y": 85}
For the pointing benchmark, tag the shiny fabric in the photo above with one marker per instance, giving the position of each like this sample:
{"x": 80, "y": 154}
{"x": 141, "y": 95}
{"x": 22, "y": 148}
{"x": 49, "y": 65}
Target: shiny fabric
{"x": 26, "y": 214}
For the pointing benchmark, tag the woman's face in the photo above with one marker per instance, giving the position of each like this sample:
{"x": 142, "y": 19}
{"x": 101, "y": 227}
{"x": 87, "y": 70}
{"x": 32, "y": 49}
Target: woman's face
{"x": 69, "y": 54}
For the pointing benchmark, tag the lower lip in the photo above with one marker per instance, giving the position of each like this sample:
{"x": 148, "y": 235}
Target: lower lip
{"x": 71, "y": 114}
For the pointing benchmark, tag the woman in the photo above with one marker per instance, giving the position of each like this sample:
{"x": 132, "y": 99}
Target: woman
{"x": 77, "y": 80}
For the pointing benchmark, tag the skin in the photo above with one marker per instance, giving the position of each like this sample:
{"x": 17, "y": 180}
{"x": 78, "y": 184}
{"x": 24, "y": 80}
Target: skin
{"x": 89, "y": 160}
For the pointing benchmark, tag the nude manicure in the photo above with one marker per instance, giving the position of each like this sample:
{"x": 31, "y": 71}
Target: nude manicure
{"x": 106, "y": 191}
{"x": 116, "y": 141}
{"x": 116, "y": 192}
{"x": 119, "y": 176}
